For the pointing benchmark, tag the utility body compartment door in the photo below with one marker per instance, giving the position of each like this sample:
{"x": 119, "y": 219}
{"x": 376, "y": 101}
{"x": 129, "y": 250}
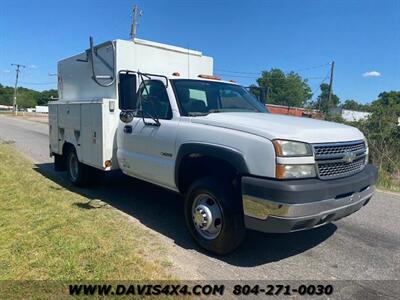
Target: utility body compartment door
{"x": 90, "y": 126}
{"x": 53, "y": 130}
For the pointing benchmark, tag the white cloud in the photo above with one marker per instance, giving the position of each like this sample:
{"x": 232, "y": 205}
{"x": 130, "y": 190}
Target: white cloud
{"x": 372, "y": 74}
{"x": 33, "y": 66}
{"x": 6, "y": 71}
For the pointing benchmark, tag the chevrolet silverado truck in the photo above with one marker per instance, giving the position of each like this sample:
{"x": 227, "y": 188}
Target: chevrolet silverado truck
{"x": 158, "y": 113}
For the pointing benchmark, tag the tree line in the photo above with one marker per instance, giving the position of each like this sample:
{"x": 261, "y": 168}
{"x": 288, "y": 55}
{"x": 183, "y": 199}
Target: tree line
{"x": 290, "y": 89}
{"x": 26, "y": 97}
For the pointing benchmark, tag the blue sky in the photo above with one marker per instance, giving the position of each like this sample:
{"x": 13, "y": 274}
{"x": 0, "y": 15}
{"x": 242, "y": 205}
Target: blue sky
{"x": 244, "y": 37}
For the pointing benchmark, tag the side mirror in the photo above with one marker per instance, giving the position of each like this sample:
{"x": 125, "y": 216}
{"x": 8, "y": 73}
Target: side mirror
{"x": 126, "y": 116}
{"x": 127, "y": 91}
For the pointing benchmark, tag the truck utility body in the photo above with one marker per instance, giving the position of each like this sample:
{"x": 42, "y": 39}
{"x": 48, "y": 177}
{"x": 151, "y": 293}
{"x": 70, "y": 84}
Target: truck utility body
{"x": 157, "y": 113}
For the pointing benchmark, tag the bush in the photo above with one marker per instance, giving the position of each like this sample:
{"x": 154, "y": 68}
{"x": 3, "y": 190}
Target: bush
{"x": 382, "y": 130}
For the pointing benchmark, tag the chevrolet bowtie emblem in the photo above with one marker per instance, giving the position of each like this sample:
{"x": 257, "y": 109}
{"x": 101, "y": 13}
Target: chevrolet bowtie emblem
{"x": 349, "y": 157}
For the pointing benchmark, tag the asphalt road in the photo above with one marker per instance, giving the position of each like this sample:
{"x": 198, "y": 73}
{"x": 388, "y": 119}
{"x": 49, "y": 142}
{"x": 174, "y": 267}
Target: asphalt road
{"x": 363, "y": 246}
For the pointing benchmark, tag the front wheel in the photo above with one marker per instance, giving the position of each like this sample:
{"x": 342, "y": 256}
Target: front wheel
{"x": 214, "y": 215}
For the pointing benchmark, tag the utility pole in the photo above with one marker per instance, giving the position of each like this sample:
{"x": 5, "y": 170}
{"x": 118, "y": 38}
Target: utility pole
{"x": 136, "y": 13}
{"x": 17, "y": 70}
{"x": 331, "y": 83}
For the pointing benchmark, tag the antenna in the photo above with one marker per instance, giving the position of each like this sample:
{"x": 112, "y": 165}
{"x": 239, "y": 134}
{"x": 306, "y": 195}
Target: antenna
{"x": 136, "y": 13}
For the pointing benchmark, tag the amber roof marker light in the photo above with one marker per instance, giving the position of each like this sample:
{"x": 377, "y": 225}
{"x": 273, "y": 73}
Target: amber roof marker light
{"x": 209, "y": 77}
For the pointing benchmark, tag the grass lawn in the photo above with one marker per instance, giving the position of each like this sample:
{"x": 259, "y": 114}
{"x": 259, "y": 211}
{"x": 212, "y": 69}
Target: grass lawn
{"x": 46, "y": 235}
{"x": 388, "y": 183}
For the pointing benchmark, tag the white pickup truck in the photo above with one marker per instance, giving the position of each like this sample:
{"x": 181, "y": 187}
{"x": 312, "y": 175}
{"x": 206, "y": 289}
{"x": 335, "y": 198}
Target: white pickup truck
{"x": 157, "y": 113}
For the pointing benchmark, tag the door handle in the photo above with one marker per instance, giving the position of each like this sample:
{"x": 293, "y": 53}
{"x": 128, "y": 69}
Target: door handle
{"x": 127, "y": 129}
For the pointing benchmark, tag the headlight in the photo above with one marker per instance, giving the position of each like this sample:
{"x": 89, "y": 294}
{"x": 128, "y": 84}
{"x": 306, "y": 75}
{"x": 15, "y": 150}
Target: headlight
{"x": 294, "y": 171}
{"x": 366, "y": 151}
{"x": 290, "y": 148}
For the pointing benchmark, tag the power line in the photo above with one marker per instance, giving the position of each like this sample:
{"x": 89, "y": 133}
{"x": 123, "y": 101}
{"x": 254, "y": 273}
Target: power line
{"x": 237, "y": 72}
{"x": 259, "y": 73}
{"x": 38, "y": 83}
{"x": 319, "y": 85}
{"x": 271, "y": 77}
{"x": 312, "y": 67}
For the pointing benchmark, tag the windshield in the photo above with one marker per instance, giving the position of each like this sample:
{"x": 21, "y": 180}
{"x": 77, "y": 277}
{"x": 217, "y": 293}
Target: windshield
{"x": 200, "y": 97}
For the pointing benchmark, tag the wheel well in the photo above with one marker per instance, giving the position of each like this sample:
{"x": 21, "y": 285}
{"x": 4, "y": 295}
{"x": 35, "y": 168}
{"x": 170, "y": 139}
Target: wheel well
{"x": 194, "y": 166}
{"x": 66, "y": 148}
{"x": 60, "y": 160}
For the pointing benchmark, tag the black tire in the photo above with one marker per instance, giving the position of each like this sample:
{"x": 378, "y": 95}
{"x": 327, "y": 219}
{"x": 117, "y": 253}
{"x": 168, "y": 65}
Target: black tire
{"x": 233, "y": 231}
{"x": 78, "y": 173}
{"x": 59, "y": 163}
{"x": 95, "y": 176}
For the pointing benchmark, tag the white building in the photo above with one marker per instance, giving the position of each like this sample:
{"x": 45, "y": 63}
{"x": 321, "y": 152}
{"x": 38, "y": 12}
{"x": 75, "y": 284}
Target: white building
{"x": 354, "y": 116}
{"x": 42, "y": 109}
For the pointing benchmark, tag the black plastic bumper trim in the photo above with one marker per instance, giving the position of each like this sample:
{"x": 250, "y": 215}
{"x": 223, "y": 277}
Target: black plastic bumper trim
{"x": 307, "y": 190}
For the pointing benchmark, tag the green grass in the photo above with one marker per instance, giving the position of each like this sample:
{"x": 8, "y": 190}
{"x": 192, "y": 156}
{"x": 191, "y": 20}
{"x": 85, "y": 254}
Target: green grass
{"x": 387, "y": 182}
{"x": 46, "y": 235}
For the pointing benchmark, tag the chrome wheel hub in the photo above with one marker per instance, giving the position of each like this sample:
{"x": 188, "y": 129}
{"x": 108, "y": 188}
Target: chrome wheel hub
{"x": 207, "y": 216}
{"x": 203, "y": 217}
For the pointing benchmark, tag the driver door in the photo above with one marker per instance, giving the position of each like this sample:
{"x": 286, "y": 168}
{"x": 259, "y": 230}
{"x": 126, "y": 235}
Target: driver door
{"x": 150, "y": 147}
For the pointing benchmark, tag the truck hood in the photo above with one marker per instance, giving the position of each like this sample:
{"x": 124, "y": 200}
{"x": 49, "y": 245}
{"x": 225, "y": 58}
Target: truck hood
{"x": 273, "y": 126}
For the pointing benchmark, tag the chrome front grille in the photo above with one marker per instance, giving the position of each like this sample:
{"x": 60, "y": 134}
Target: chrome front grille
{"x": 332, "y": 149}
{"x": 336, "y": 160}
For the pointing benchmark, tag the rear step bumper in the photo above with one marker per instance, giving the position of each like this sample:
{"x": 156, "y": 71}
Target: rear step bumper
{"x": 286, "y": 206}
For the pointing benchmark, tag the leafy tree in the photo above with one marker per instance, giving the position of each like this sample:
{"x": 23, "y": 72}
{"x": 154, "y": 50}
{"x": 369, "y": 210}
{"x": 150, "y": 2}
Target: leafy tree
{"x": 26, "y": 97}
{"x": 46, "y": 96}
{"x": 257, "y": 92}
{"x": 323, "y": 103}
{"x": 6, "y": 95}
{"x": 354, "y": 105}
{"x": 383, "y": 132}
{"x": 286, "y": 89}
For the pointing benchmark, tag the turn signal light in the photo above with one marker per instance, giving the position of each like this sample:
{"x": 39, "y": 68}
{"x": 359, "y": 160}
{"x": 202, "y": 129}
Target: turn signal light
{"x": 280, "y": 171}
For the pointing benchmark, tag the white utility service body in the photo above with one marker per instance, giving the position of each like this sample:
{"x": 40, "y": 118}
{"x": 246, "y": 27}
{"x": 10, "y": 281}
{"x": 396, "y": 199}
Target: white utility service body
{"x": 157, "y": 113}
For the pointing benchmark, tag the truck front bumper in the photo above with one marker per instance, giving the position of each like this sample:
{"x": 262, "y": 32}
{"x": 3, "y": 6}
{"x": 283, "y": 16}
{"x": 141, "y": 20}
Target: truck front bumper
{"x": 285, "y": 206}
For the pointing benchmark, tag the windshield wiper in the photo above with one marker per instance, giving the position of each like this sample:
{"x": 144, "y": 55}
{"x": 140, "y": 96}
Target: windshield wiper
{"x": 197, "y": 114}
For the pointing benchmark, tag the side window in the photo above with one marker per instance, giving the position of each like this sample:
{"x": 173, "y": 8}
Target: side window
{"x": 155, "y": 101}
